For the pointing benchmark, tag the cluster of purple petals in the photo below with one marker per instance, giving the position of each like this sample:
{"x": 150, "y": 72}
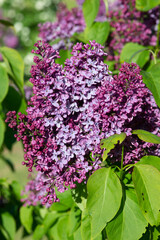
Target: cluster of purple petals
{"x": 131, "y": 25}
{"x": 68, "y": 23}
{"x": 125, "y": 104}
{"x": 57, "y": 133}
{"x": 72, "y": 109}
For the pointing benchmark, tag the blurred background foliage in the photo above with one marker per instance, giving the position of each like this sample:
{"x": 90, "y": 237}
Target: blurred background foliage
{"x": 25, "y": 15}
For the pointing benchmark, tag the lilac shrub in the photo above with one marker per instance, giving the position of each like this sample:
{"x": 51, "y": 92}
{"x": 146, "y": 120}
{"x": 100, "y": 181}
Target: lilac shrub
{"x": 68, "y": 23}
{"x": 130, "y": 25}
{"x": 72, "y": 109}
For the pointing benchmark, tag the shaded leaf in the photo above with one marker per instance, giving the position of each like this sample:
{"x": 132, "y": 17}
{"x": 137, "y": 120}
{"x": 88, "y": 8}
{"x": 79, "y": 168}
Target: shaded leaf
{"x": 79, "y": 194}
{"x": 110, "y": 142}
{"x": 6, "y": 23}
{"x": 2, "y": 131}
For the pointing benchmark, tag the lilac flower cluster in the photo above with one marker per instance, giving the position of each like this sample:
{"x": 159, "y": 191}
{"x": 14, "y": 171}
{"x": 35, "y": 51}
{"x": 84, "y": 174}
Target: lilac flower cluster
{"x": 130, "y": 25}
{"x": 68, "y": 23}
{"x": 72, "y": 109}
{"x": 57, "y": 134}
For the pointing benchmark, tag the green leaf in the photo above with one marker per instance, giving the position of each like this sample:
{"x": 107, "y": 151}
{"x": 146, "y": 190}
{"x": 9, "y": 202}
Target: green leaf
{"x": 2, "y": 131}
{"x": 85, "y": 225}
{"x": 133, "y": 52}
{"x": 77, "y": 234}
{"x": 6, "y": 23}
{"x": 104, "y": 198}
{"x": 16, "y": 65}
{"x": 99, "y": 32}
{"x": 147, "y": 136}
{"x": 145, "y": 5}
{"x": 8, "y": 224}
{"x": 39, "y": 232}
{"x": 146, "y": 179}
{"x": 70, "y": 3}
{"x": 90, "y": 11}
{"x": 79, "y": 194}
{"x": 62, "y": 228}
{"x": 65, "y": 202}
{"x": 74, "y": 220}
{"x": 129, "y": 223}
{"x": 4, "y": 83}
{"x": 16, "y": 189}
{"x": 26, "y": 217}
{"x": 64, "y": 54}
{"x": 49, "y": 219}
{"x": 152, "y": 81}
{"x": 110, "y": 142}
{"x": 14, "y": 101}
{"x": 150, "y": 160}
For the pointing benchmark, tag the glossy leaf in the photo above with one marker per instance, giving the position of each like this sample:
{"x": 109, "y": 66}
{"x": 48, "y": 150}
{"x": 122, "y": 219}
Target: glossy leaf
{"x": 90, "y": 11}
{"x": 2, "y": 130}
{"x": 99, "y": 32}
{"x": 145, "y": 5}
{"x": 4, "y": 83}
{"x": 150, "y": 160}
{"x": 133, "y": 52}
{"x": 16, "y": 64}
{"x": 110, "y": 142}
{"x": 151, "y": 79}
{"x": 129, "y": 223}
{"x": 147, "y": 136}
{"x": 26, "y": 217}
{"x": 8, "y": 224}
{"x": 146, "y": 179}
{"x": 104, "y": 198}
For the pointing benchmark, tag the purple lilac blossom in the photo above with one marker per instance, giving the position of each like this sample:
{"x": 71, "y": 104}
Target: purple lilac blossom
{"x": 72, "y": 109}
{"x": 68, "y": 23}
{"x": 130, "y": 25}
